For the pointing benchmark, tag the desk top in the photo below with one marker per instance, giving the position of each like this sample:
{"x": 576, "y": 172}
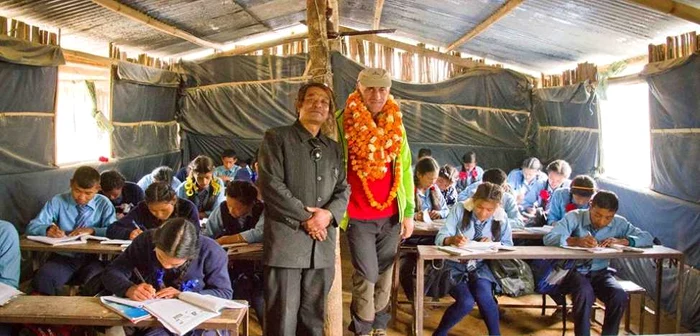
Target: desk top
{"x": 246, "y": 252}
{"x": 92, "y": 246}
{"x": 424, "y": 230}
{"x": 429, "y": 252}
{"x": 82, "y": 310}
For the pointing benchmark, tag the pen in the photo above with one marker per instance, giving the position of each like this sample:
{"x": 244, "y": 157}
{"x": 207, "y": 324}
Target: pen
{"x": 138, "y": 275}
{"x": 136, "y": 225}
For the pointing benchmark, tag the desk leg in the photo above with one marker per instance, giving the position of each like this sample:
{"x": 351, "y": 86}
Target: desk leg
{"x": 395, "y": 287}
{"x": 418, "y": 297}
{"x": 659, "y": 280}
{"x": 679, "y": 293}
{"x": 245, "y": 322}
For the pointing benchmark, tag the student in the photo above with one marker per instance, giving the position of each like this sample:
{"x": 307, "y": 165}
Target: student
{"x": 578, "y": 196}
{"x": 160, "y": 204}
{"x": 246, "y": 173}
{"x": 597, "y": 226}
{"x": 475, "y": 221}
{"x": 201, "y": 187}
{"x": 526, "y": 184}
{"x": 424, "y": 152}
{"x": 508, "y": 204}
{"x": 558, "y": 172}
{"x": 82, "y": 210}
{"x": 160, "y": 174}
{"x": 447, "y": 180}
{"x": 182, "y": 173}
{"x": 228, "y": 169}
{"x": 171, "y": 259}
{"x": 240, "y": 220}
{"x": 9, "y": 255}
{"x": 428, "y": 196}
{"x": 470, "y": 172}
{"x": 124, "y": 195}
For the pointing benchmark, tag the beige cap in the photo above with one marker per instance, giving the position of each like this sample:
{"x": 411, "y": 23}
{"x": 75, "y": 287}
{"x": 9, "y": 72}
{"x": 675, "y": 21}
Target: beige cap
{"x": 374, "y": 77}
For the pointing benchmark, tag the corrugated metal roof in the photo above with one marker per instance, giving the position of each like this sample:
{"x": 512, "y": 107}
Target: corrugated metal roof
{"x": 538, "y": 34}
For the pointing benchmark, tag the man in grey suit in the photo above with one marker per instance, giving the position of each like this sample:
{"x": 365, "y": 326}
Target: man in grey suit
{"x": 302, "y": 181}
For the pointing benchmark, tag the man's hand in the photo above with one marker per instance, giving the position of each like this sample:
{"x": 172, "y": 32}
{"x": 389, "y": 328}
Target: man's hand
{"x": 614, "y": 241}
{"x": 407, "y": 227}
{"x": 167, "y": 293}
{"x": 320, "y": 235}
{"x": 135, "y": 233}
{"x": 587, "y": 241}
{"x": 320, "y": 219}
{"x": 55, "y": 232}
{"x": 80, "y": 231}
{"x": 141, "y": 292}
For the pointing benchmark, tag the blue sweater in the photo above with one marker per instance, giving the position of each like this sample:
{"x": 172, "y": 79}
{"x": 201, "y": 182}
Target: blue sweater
{"x": 132, "y": 194}
{"x": 144, "y": 219}
{"x": 207, "y": 274}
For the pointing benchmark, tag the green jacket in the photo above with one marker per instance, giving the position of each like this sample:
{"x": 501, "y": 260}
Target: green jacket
{"x": 405, "y": 195}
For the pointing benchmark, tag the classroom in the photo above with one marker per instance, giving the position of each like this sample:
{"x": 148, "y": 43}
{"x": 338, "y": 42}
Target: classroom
{"x": 349, "y": 167}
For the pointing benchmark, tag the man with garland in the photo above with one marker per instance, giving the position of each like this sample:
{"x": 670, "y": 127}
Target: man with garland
{"x": 381, "y": 205}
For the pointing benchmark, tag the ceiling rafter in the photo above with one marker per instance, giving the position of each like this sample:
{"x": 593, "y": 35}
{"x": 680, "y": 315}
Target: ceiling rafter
{"x": 378, "y": 6}
{"x": 481, "y": 27}
{"x": 675, "y": 8}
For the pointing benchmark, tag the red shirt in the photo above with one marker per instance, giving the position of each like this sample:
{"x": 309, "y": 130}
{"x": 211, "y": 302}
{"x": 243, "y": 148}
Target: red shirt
{"x": 359, "y": 207}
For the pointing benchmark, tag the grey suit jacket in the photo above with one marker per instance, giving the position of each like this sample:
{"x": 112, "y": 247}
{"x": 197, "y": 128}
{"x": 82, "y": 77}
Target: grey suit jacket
{"x": 298, "y": 170}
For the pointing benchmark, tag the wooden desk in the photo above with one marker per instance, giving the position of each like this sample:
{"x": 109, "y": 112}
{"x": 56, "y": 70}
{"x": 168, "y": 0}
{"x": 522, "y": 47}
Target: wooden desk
{"x": 428, "y": 231}
{"x": 88, "y": 311}
{"x": 253, "y": 252}
{"x": 657, "y": 253}
{"x": 92, "y": 247}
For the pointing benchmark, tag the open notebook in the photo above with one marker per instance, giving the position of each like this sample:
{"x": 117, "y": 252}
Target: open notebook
{"x": 7, "y": 293}
{"x": 612, "y": 249}
{"x": 73, "y": 240}
{"x": 473, "y": 247}
{"x": 183, "y": 314}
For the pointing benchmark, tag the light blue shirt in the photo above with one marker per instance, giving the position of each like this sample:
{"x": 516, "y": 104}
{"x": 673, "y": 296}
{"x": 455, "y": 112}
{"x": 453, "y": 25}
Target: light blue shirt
{"x": 222, "y": 171}
{"x": 215, "y": 227}
{"x": 463, "y": 183}
{"x": 557, "y": 205}
{"x": 147, "y": 180}
{"x": 9, "y": 254}
{"x": 453, "y": 224}
{"x": 531, "y": 190}
{"x": 62, "y": 210}
{"x": 427, "y": 204}
{"x": 564, "y": 184}
{"x": 577, "y": 223}
{"x": 220, "y": 197}
{"x": 507, "y": 203}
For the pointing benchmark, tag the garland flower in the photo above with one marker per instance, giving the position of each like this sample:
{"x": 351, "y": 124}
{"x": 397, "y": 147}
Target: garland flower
{"x": 371, "y": 145}
{"x": 190, "y": 186}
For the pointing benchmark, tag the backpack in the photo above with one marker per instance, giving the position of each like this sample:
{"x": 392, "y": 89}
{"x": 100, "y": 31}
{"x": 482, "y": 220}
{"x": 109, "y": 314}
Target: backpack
{"x": 514, "y": 276}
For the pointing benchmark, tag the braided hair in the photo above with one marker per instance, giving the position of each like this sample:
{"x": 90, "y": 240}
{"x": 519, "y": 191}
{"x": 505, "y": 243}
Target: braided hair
{"x": 178, "y": 238}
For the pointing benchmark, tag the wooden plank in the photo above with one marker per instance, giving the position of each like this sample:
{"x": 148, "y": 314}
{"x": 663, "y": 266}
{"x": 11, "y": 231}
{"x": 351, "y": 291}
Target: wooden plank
{"x": 251, "y": 48}
{"x": 378, "y": 5}
{"x": 3, "y": 25}
{"x": 154, "y": 23}
{"x": 35, "y": 34}
{"x": 415, "y": 49}
{"x": 481, "y": 27}
{"x": 674, "y": 8}
{"x": 91, "y": 247}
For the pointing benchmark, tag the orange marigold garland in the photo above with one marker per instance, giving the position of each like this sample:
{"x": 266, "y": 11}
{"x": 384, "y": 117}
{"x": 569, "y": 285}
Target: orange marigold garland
{"x": 371, "y": 145}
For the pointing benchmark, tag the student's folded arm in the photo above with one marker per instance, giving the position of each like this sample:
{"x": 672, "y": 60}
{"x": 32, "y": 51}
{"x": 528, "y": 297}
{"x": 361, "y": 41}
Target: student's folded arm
{"x": 637, "y": 237}
{"x": 562, "y": 231}
{"x": 341, "y": 193}
{"x": 117, "y": 276}
{"x": 119, "y": 231}
{"x": 46, "y": 217}
{"x": 506, "y": 234}
{"x": 217, "y": 281}
{"x": 555, "y": 209}
{"x": 255, "y": 235}
{"x": 272, "y": 187}
{"x": 450, "y": 228}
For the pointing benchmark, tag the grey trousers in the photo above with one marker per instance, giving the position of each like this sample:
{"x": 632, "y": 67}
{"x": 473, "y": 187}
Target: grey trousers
{"x": 373, "y": 245}
{"x": 295, "y": 300}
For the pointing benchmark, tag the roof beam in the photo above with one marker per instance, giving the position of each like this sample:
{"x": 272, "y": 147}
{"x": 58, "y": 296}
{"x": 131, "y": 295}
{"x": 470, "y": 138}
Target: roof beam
{"x": 414, "y": 49}
{"x": 156, "y": 24}
{"x": 481, "y": 27}
{"x": 378, "y": 5}
{"x": 253, "y": 47}
{"x": 675, "y": 8}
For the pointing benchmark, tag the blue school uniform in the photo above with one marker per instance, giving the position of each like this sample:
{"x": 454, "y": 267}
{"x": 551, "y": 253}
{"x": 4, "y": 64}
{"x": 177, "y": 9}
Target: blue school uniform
{"x": 246, "y": 174}
{"x": 9, "y": 254}
{"x": 131, "y": 195}
{"x": 62, "y": 210}
{"x": 230, "y": 173}
{"x": 450, "y": 195}
{"x": 467, "y": 178}
{"x": 474, "y": 281}
{"x": 559, "y": 201}
{"x": 516, "y": 180}
{"x": 546, "y": 202}
{"x": 507, "y": 203}
{"x": 426, "y": 203}
{"x": 593, "y": 279}
{"x": 205, "y": 200}
{"x": 147, "y": 180}
{"x": 143, "y": 218}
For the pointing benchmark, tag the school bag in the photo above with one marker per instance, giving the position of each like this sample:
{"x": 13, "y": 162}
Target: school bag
{"x": 514, "y": 276}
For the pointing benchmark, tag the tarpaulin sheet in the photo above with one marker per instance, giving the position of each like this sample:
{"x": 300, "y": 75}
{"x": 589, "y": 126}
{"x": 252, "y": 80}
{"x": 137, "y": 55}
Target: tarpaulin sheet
{"x": 26, "y": 88}
{"x": 137, "y": 102}
{"x": 23, "y": 195}
{"x": 212, "y": 146}
{"x": 566, "y": 126}
{"x": 675, "y": 127}
{"x": 144, "y": 139}
{"x": 26, "y": 144}
{"x": 140, "y": 74}
{"x": 18, "y": 51}
{"x": 243, "y": 69}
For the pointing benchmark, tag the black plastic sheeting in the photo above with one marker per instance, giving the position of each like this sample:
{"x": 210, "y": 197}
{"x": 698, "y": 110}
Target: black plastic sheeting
{"x": 242, "y": 69}
{"x": 675, "y": 148}
{"x": 22, "y": 52}
{"x": 144, "y": 140}
{"x": 137, "y": 102}
{"x": 567, "y": 127}
{"x": 23, "y": 195}
{"x": 26, "y": 88}
{"x": 194, "y": 145}
{"x": 140, "y": 74}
